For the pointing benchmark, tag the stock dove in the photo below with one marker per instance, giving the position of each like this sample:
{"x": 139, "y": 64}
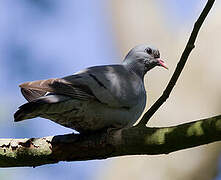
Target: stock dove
{"x": 99, "y": 97}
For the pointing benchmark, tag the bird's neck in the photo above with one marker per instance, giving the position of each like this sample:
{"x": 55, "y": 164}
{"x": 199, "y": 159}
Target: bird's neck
{"x": 136, "y": 68}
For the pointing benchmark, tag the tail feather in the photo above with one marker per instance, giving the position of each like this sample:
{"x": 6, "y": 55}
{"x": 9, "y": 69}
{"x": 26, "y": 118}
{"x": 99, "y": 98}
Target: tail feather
{"x": 35, "y": 108}
{"x": 26, "y": 111}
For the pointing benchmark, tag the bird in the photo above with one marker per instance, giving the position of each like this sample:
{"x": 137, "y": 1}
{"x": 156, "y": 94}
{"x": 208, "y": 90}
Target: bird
{"x": 96, "y": 98}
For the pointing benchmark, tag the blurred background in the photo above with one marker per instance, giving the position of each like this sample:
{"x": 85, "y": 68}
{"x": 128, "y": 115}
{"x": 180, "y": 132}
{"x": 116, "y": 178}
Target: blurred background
{"x": 40, "y": 39}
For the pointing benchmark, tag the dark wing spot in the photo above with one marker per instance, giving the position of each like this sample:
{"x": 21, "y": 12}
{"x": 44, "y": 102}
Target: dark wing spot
{"x": 77, "y": 76}
{"x": 126, "y": 107}
{"x": 73, "y": 90}
{"x": 99, "y": 82}
{"x": 84, "y": 88}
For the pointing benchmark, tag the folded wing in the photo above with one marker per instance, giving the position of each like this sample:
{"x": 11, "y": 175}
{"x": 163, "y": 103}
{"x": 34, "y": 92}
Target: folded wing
{"x": 35, "y": 89}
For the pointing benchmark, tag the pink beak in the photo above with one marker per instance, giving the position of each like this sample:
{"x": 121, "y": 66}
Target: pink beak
{"x": 162, "y": 63}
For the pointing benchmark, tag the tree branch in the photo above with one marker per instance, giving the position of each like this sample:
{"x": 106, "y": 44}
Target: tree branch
{"x": 189, "y": 47}
{"x": 101, "y": 145}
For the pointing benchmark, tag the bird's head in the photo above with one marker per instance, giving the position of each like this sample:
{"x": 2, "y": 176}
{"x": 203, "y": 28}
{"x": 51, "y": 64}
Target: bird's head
{"x": 143, "y": 58}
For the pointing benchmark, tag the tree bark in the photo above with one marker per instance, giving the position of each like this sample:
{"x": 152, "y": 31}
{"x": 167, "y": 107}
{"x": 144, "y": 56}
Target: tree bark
{"x": 137, "y": 140}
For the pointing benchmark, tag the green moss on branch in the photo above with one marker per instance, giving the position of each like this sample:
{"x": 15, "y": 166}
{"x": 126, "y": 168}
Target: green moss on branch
{"x": 132, "y": 141}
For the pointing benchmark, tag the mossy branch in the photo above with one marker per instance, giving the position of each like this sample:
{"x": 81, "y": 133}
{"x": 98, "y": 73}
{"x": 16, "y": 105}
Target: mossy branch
{"x": 102, "y": 145}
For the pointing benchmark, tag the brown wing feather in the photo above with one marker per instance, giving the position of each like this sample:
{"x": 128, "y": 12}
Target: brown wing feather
{"x": 39, "y": 88}
{"x": 31, "y": 94}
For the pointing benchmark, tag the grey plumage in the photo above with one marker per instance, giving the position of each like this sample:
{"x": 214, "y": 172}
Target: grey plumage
{"x": 96, "y": 98}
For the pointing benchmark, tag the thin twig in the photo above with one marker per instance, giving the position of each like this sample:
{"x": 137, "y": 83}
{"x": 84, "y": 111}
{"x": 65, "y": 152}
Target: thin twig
{"x": 189, "y": 47}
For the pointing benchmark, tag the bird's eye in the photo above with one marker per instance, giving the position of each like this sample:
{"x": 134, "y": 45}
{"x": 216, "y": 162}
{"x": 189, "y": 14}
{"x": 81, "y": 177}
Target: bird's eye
{"x": 149, "y": 51}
